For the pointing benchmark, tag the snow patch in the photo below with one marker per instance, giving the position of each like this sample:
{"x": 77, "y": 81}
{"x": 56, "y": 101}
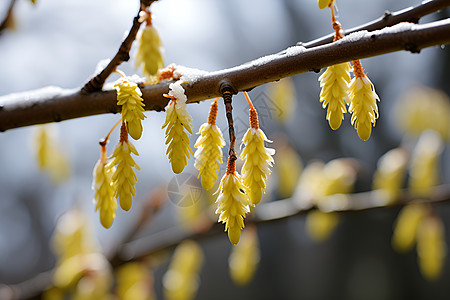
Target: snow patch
{"x": 177, "y": 91}
{"x": 190, "y": 75}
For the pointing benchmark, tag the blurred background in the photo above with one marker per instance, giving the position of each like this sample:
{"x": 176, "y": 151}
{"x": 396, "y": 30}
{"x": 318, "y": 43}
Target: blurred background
{"x": 60, "y": 42}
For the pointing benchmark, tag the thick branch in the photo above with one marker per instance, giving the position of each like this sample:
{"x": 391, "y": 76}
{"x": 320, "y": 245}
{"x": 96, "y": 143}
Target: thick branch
{"x": 54, "y": 105}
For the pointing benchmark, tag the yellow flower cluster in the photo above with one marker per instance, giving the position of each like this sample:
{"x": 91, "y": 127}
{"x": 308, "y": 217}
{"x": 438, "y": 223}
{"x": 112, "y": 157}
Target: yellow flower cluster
{"x": 124, "y": 177}
{"x": 129, "y": 96}
{"x": 334, "y": 82}
{"x": 49, "y": 156}
{"x": 363, "y": 105}
{"x": 431, "y": 247}
{"x": 104, "y": 192}
{"x": 177, "y": 121}
{"x": 390, "y": 174}
{"x": 424, "y": 171}
{"x": 150, "y": 48}
{"x": 324, "y": 3}
{"x": 181, "y": 279}
{"x": 81, "y": 269}
{"x": 416, "y": 222}
{"x": 406, "y": 225}
{"x": 134, "y": 282}
{"x": 244, "y": 258}
{"x": 232, "y": 204}
{"x": 258, "y": 159}
{"x": 209, "y": 146}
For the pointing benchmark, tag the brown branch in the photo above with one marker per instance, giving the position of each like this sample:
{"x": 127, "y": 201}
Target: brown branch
{"x": 8, "y": 16}
{"x": 123, "y": 54}
{"x": 54, "y": 105}
{"x": 227, "y": 94}
{"x": 412, "y": 14}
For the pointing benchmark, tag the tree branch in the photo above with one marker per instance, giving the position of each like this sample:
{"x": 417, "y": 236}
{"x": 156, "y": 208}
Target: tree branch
{"x": 8, "y": 16}
{"x": 411, "y": 14}
{"x": 54, "y": 104}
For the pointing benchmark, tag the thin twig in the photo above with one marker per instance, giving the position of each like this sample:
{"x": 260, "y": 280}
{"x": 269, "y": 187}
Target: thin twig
{"x": 8, "y": 16}
{"x": 123, "y": 54}
{"x": 412, "y": 14}
{"x": 54, "y": 105}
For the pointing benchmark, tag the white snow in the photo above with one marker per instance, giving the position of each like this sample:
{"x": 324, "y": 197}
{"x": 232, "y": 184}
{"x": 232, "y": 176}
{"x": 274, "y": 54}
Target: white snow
{"x": 177, "y": 91}
{"x": 190, "y": 75}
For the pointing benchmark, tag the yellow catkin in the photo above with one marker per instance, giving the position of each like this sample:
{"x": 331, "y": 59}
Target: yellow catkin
{"x": 233, "y": 205}
{"x": 104, "y": 193}
{"x": 50, "y": 158}
{"x": 431, "y": 247}
{"x": 244, "y": 258}
{"x": 320, "y": 225}
{"x": 405, "y": 228}
{"x": 289, "y": 167}
{"x": 334, "y": 95}
{"x": 181, "y": 279}
{"x": 150, "y": 49}
{"x": 421, "y": 108}
{"x": 390, "y": 174}
{"x": 124, "y": 178}
{"x": 209, "y": 146}
{"x": 129, "y": 96}
{"x": 258, "y": 160}
{"x": 424, "y": 170}
{"x": 363, "y": 106}
{"x": 178, "y": 121}
{"x": 134, "y": 282}
{"x": 324, "y": 3}
{"x": 282, "y": 95}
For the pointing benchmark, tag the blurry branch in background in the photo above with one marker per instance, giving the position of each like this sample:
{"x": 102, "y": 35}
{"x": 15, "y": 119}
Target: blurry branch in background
{"x": 8, "y": 17}
{"x": 411, "y": 14}
{"x": 131, "y": 249}
{"x": 53, "y": 104}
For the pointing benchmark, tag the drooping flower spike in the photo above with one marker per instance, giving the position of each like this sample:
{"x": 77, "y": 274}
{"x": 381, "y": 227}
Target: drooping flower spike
{"x": 209, "y": 146}
{"x": 178, "y": 121}
{"x": 233, "y": 203}
{"x": 149, "y": 54}
{"x": 102, "y": 185}
{"x": 124, "y": 177}
{"x": 258, "y": 159}
{"x": 363, "y": 102}
{"x": 334, "y": 81}
{"x": 129, "y": 96}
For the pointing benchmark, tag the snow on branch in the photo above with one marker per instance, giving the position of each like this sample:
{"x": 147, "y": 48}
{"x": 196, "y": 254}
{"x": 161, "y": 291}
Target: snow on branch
{"x": 54, "y": 104}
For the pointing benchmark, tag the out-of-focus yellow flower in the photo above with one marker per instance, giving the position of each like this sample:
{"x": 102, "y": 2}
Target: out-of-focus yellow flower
{"x": 339, "y": 177}
{"x": 104, "y": 193}
{"x": 244, "y": 258}
{"x": 320, "y": 225}
{"x": 289, "y": 167}
{"x": 181, "y": 279}
{"x": 50, "y": 157}
{"x": 309, "y": 187}
{"x": 363, "y": 102}
{"x": 209, "y": 146}
{"x": 258, "y": 159}
{"x": 431, "y": 247}
{"x": 334, "y": 82}
{"x": 324, "y": 3}
{"x": 129, "y": 96}
{"x": 424, "y": 170}
{"x": 73, "y": 236}
{"x": 233, "y": 203}
{"x": 177, "y": 121}
{"x": 282, "y": 93}
{"x": 124, "y": 177}
{"x": 421, "y": 108}
{"x": 53, "y": 293}
{"x": 405, "y": 228}
{"x": 134, "y": 282}
{"x": 391, "y": 173}
{"x": 150, "y": 48}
